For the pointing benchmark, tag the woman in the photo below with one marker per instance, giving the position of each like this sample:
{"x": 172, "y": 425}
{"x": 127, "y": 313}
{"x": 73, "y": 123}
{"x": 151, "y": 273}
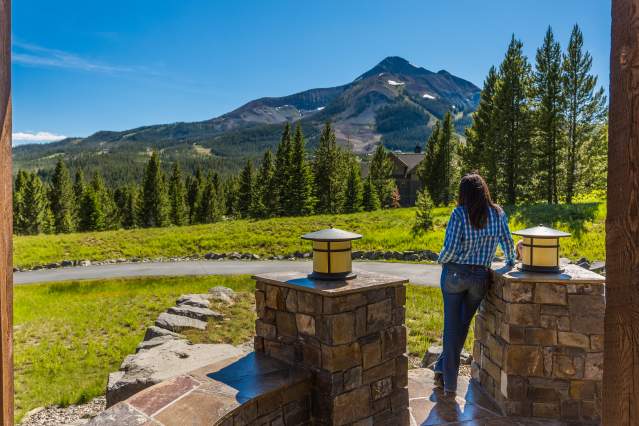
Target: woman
{"x": 476, "y": 227}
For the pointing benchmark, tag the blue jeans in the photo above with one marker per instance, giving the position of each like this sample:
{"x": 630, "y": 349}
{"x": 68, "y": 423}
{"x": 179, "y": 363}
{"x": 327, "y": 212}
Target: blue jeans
{"x": 463, "y": 288}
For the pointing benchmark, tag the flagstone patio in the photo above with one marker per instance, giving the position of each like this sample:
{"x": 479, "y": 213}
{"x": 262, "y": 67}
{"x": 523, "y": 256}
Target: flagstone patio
{"x": 256, "y": 388}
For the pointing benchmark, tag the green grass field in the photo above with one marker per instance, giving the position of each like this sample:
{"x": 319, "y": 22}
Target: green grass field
{"x": 382, "y": 230}
{"x": 69, "y": 336}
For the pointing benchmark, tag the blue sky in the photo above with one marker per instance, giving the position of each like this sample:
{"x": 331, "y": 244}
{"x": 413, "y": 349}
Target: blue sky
{"x": 84, "y": 66}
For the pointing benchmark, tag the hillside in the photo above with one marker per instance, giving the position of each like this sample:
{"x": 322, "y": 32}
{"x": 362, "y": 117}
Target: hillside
{"x": 383, "y": 230}
{"x": 395, "y": 102}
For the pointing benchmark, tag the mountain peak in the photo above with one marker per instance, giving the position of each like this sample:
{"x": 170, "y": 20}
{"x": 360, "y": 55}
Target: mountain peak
{"x": 394, "y": 65}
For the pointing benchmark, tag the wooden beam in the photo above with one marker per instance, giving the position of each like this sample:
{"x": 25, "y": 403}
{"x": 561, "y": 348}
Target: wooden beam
{"x": 621, "y": 353}
{"x": 6, "y": 220}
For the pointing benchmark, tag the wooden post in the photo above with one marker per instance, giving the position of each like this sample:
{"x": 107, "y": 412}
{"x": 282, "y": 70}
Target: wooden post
{"x": 621, "y": 359}
{"x": 6, "y": 220}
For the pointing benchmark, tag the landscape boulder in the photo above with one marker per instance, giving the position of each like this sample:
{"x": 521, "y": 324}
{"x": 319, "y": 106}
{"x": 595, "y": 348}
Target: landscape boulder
{"x": 155, "y": 331}
{"x": 196, "y": 300}
{"x": 178, "y": 323}
{"x": 430, "y": 357}
{"x": 202, "y": 314}
{"x": 158, "y": 363}
{"x": 221, "y": 294}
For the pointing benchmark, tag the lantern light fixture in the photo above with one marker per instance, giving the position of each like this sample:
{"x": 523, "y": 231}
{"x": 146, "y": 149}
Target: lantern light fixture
{"x": 332, "y": 254}
{"x": 540, "y": 249}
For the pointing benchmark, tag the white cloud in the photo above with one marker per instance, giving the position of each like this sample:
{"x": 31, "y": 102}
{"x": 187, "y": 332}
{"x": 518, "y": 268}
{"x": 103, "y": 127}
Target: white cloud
{"x": 19, "y": 138}
{"x": 38, "y": 56}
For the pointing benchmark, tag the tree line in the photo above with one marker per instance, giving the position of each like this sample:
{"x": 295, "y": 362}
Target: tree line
{"x": 540, "y": 133}
{"x": 288, "y": 183}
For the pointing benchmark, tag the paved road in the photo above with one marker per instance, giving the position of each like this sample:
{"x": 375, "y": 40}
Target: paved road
{"x": 420, "y": 274}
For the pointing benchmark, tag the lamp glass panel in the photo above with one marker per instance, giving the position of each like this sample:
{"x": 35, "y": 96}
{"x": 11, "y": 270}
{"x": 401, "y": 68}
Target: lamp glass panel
{"x": 340, "y": 261}
{"x": 543, "y": 253}
{"x": 320, "y": 261}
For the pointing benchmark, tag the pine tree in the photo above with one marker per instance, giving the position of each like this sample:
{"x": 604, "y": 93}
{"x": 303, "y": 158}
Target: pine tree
{"x": 381, "y": 170}
{"x": 266, "y": 202}
{"x": 62, "y": 199}
{"x": 37, "y": 213}
{"x": 246, "y": 195}
{"x": 480, "y": 153}
{"x": 126, "y": 201}
{"x": 428, "y": 166}
{"x": 512, "y": 121}
{"x": 445, "y": 167}
{"x": 194, "y": 194}
{"x": 231, "y": 191}
{"x": 153, "y": 203}
{"x": 354, "y": 189}
{"x": 20, "y": 224}
{"x": 301, "y": 177}
{"x": 370, "y": 202}
{"x": 177, "y": 197}
{"x": 282, "y": 175}
{"x": 585, "y": 108}
{"x": 92, "y": 216}
{"x": 220, "y": 198}
{"x": 209, "y": 209}
{"x": 329, "y": 171}
{"x": 78, "y": 191}
{"x": 423, "y": 214}
{"x": 107, "y": 206}
{"x": 548, "y": 115}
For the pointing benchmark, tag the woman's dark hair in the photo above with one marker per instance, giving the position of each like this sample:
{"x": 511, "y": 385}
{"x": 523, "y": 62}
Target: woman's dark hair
{"x": 475, "y": 197}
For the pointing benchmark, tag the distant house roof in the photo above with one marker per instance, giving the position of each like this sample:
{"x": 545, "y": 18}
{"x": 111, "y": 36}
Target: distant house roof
{"x": 410, "y": 160}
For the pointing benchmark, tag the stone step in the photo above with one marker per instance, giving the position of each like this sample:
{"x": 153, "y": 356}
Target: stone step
{"x": 202, "y": 314}
{"x": 179, "y": 323}
{"x": 193, "y": 300}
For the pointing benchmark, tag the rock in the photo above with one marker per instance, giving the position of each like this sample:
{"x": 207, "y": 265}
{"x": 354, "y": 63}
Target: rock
{"x": 66, "y": 263}
{"x": 160, "y": 363}
{"x": 235, "y": 256}
{"x": 255, "y": 256}
{"x": 564, "y": 261}
{"x": 193, "y": 300}
{"x": 178, "y": 323}
{"x": 222, "y": 294}
{"x": 209, "y": 256}
{"x": 583, "y": 262}
{"x": 466, "y": 358}
{"x": 307, "y": 255}
{"x": 202, "y": 314}
{"x": 431, "y": 255}
{"x": 156, "y": 341}
{"x": 598, "y": 266}
{"x": 154, "y": 331}
{"x": 431, "y": 355}
{"x": 411, "y": 256}
{"x": 85, "y": 263}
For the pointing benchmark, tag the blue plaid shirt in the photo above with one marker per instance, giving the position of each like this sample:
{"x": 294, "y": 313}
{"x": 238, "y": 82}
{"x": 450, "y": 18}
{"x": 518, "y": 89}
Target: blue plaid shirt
{"x": 467, "y": 245}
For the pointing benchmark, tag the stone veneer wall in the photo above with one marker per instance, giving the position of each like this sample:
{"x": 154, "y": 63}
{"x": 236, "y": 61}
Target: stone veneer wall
{"x": 354, "y": 344}
{"x": 539, "y": 344}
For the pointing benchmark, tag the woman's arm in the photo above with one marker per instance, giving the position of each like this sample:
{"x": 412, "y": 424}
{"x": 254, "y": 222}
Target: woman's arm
{"x": 506, "y": 240}
{"x": 452, "y": 239}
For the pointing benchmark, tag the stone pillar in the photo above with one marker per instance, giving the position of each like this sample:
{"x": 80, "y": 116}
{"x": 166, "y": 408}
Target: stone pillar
{"x": 539, "y": 343}
{"x": 350, "y": 334}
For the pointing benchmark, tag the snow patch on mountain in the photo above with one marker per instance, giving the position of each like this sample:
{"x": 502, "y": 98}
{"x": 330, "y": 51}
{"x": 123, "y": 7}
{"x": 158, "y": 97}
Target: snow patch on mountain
{"x": 395, "y": 83}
